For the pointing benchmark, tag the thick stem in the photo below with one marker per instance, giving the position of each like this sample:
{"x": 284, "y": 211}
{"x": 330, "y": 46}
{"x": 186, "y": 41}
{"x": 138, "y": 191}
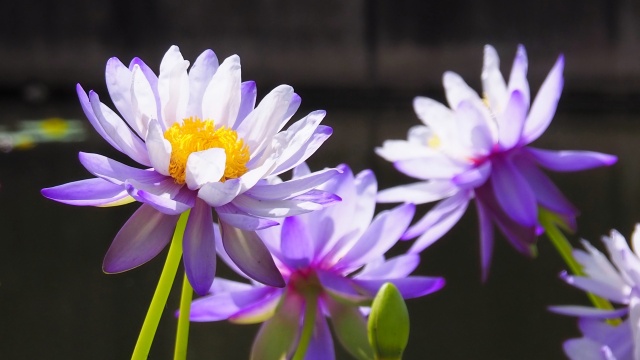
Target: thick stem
{"x": 307, "y": 327}
{"x": 549, "y": 222}
{"x": 159, "y": 300}
{"x": 182, "y": 334}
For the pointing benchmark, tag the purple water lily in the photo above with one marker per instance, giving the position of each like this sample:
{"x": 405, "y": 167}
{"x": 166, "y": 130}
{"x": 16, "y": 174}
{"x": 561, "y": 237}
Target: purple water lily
{"x": 617, "y": 280}
{"x": 479, "y": 148}
{"x": 204, "y": 145}
{"x": 333, "y": 262}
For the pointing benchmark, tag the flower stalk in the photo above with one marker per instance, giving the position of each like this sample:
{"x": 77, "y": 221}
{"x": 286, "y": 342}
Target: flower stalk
{"x": 307, "y": 326}
{"x": 159, "y": 300}
{"x": 182, "y": 333}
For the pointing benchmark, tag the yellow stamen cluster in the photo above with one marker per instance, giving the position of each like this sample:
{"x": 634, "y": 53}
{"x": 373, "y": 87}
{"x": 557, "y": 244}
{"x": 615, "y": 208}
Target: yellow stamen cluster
{"x": 194, "y": 135}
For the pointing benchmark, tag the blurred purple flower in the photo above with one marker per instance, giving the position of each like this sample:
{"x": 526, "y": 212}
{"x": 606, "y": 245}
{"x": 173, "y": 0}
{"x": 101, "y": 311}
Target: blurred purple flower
{"x": 203, "y": 144}
{"x": 478, "y": 148}
{"x": 334, "y": 258}
{"x": 617, "y": 280}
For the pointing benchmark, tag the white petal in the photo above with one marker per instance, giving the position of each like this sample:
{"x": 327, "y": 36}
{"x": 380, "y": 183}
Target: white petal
{"x": 205, "y": 166}
{"x": 173, "y": 87}
{"x": 493, "y": 84}
{"x": 221, "y": 99}
{"x": 199, "y": 78}
{"x": 159, "y": 148}
{"x": 143, "y": 102}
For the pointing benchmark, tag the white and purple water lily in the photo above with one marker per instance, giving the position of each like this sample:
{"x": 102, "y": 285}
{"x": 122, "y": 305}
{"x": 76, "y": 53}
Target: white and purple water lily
{"x": 203, "y": 144}
{"x": 617, "y": 280}
{"x": 333, "y": 263}
{"x": 478, "y": 148}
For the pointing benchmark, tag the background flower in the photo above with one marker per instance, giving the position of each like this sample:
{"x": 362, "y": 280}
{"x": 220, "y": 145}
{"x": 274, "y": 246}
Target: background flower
{"x": 618, "y": 280}
{"x": 479, "y": 148}
{"x": 333, "y": 260}
{"x": 204, "y": 144}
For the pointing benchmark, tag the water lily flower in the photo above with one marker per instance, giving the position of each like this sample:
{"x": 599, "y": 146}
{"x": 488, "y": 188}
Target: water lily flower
{"x": 333, "y": 263}
{"x": 203, "y": 144}
{"x": 478, "y": 147}
{"x": 618, "y": 280}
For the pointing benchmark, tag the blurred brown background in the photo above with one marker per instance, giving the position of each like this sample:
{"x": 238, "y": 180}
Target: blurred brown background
{"x": 363, "y": 62}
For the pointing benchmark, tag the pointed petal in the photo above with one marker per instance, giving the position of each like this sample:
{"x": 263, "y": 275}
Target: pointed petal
{"x": 204, "y": 167}
{"x": 296, "y": 247}
{"x": 159, "y": 148}
{"x": 141, "y": 238}
{"x": 547, "y": 194}
{"x": 261, "y": 125}
{"x": 486, "y": 239}
{"x": 586, "y": 349}
{"x": 118, "y": 79}
{"x": 418, "y": 193}
{"x": 384, "y": 231}
{"x": 409, "y": 287}
{"x": 511, "y": 120}
{"x": 293, "y": 187}
{"x": 493, "y": 84}
{"x": 474, "y": 177}
{"x": 221, "y": 99}
{"x": 438, "y": 221}
{"x": 544, "y": 105}
{"x": 144, "y": 102}
{"x": 223, "y": 305}
{"x": 457, "y": 90}
{"x": 280, "y": 208}
{"x": 514, "y": 193}
{"x": 173, "y": 88}
{"x": 119, "y": 132}
{"x": 396, "y": 267}
{"x": 589, "y": 312}
{"x": 259, "y": 311}
{"x": 199, "y": 248}
{"x": 605, "y": 290}
{"x": 321, "y": 343}
{"x": 440, "y": 167}
{"x": 568, "y": 160}
{"x": 296, "y": 140}
{"x": 88, "y": 111}
{"x": 235, "y": 217}
{"x": 342, "y": 289}
{"x": 200, "y": 75}
{"x": 248, "y": 94}
{"x": 114, "y": 171}
{"x": 250, "y": 255}
{"x": 89, "y": 192}
{"x": 518, "y": 77}
{"x": 166, "y": 196}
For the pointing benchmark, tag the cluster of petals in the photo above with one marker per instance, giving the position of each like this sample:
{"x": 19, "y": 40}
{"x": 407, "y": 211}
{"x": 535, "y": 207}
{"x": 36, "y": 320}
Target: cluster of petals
{"x": 616, "y": 279}
{"x": 478, "y": 147}
{"x": 149, "y": 105}
{"x": 334, "y": 258}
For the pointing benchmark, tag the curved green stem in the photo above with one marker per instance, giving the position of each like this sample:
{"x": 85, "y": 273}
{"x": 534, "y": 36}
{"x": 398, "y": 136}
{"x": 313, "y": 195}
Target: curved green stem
{"x": 159, "y": 300}
{"x": 307, "y": 327}
{"x": 550, "y": 223}
{"x": 182, "y": 334}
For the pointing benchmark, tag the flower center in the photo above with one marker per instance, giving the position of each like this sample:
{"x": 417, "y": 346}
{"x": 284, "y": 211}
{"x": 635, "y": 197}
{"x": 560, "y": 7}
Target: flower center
{"x": 197, "y": 135}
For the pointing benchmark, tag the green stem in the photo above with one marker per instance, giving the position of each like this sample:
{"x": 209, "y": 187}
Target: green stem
{"x": 307, "y": 327}
{"x": 549, "y": 222}
{"x": 182, "y": 334}
{"x": 159, "y": 300}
